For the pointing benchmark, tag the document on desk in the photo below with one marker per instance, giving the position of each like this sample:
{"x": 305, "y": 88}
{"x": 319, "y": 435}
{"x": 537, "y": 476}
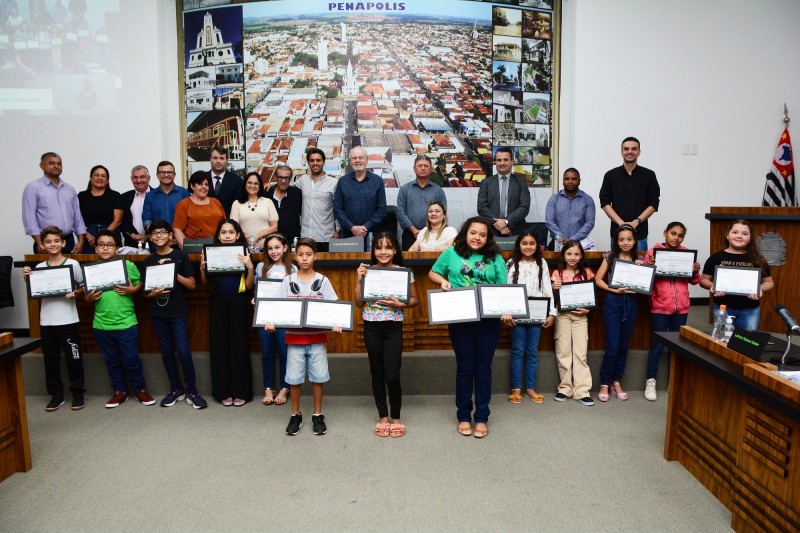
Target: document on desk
{"x": 791, "y": 375}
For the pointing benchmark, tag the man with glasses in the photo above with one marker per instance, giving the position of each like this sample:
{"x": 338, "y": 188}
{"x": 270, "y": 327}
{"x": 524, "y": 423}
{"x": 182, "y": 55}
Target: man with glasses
{"x": 132, "y": 228}
{"x": 360, "y": 199}
{"x": 288, "y": 201}
{"x": 159, "y": 204}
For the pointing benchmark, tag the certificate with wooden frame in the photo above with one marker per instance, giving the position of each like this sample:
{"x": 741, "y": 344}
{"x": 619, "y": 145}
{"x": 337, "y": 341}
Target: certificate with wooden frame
{"x": 104, "y": 275}
{"x": 161, "y": 276}
{"x": 453, "y": 306}
{"x": 631, "y": 276}
{"x": 576, "y": 295}
{"x": 224, "y": 258}
{"x": 383, "y": 283}
{"x": 328, "y": 314}
{"x": 538, "y": 311}
{"x": 498, "y": 300}
{"x": 268, "y": 288}
{"x": 280, "y": 312}
{"x": 51, "y": 282}
{"x": 675, "y": 263}
{"x": 737, "y": 280}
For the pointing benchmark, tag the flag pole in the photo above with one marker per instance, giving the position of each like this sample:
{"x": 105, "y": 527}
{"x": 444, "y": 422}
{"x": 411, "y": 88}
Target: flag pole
{"x": 786, "y": 118}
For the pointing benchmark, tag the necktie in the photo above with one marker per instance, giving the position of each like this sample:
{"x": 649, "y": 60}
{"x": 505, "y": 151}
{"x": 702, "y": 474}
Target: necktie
{"x": 217, "y": 184}
{"x": 503, "y": 196}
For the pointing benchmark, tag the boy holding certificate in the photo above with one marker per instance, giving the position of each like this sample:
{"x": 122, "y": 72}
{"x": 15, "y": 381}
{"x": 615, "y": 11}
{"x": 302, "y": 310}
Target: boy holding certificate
{"x": 116, "y": 328}
{"x": 58, "y": 318}
{"x": 306, "y": 347}
{"x": 168, "y": 310}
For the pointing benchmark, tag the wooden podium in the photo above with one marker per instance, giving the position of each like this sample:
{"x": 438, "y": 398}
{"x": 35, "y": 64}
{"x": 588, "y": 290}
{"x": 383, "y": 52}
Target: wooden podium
{"x": 784, "y": 221}
{"x": 735, "y": 426}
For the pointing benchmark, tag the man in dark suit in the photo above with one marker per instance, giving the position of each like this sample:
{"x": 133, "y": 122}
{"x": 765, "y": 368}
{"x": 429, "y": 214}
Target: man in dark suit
{"x": 225, "y": 186}
{"x": 504, "y": 198}
{"x": 133, "y": 231}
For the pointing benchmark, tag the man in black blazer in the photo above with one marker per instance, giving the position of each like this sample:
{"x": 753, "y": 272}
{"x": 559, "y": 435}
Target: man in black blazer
{"x": 132, "y": 228}
{"x": 224, "y": 186}
{"x": 509, "y": 219}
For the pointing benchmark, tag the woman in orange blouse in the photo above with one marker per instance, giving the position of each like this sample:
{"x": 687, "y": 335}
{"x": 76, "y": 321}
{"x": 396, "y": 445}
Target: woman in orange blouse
{"x": 197, "y": 216}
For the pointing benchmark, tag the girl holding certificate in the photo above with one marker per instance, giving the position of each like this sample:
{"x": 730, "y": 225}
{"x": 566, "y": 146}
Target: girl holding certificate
{"x": 527, "y": 267}
{"x": 669, "y": 302}
{"x": 383, "y": 336}
{"x": 474, "y": 259}
{"x": 572, "y": 330}
{"x": 231, "y": 382}
{"x": 619, "y": 315}
{"x": 277, "y": 264}
{"x": 740, "y": 251}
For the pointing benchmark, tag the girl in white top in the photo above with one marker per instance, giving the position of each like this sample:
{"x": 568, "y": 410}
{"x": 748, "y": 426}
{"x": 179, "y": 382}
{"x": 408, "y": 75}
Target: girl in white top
{"x": 436, "y": 235}
{"x": 254, "y": 212}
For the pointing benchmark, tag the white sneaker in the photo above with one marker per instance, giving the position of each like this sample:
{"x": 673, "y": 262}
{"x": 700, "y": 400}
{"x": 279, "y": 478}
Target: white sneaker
{"x": 650, "y": 390}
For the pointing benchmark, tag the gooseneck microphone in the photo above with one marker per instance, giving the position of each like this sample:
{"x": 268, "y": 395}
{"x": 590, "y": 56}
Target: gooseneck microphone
{"x": 788, "y": 319}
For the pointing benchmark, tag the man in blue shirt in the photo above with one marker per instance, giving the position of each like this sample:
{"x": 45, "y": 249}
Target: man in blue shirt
{"x": 159, "y": 204}
{"x": 360, "y": 199}
{"x": 570, "y": 212}
{"x": 414, "y": 198}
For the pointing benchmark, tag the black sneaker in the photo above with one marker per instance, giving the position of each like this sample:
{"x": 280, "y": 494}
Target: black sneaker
{"x": 172, "y": 397}
{"x": 78, "y": 402}
{"x": 295, "y": 423}
{"x": 588, "y": 402}
{"x": 55, "y": 403}
{"x": 196, "y": 401}
{"x": 318, "y": 422}
{"x": 560, "y": 397}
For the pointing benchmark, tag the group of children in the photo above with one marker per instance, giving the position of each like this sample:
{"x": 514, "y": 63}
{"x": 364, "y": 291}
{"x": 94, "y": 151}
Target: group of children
{"x": 473, "y": 259}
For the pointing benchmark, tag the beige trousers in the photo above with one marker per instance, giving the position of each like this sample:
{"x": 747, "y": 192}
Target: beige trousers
{"x": 572, "y": 341}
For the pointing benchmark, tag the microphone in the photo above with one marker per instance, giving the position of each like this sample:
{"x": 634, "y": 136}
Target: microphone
{"x": 791, "y": 323}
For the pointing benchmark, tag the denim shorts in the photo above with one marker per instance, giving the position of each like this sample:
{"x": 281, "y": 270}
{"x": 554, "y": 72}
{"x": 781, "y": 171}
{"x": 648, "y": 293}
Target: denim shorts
{"x": 313, "y": 356}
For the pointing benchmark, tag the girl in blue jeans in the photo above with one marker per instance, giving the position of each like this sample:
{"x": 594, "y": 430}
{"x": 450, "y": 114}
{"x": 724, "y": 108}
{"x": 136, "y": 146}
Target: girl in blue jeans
{"x": 619, "y": 315}
{"x": 277, "y": 265}
{"x": 527, "y": 267}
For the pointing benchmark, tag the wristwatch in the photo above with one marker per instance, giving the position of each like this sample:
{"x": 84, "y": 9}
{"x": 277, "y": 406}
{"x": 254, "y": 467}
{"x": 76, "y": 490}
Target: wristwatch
{"x": 639, "y": 220}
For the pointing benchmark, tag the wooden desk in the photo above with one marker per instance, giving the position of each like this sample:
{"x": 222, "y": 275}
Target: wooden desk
{"x": 341, "y": 269}
{"x": 739, "y": 438}
{"x": 15, "y": 447}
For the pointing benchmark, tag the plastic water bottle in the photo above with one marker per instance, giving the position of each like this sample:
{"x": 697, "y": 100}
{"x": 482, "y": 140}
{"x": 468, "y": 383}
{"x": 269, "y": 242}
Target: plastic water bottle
{"x": 720, "y": 318}
{"x": 559, "y": 242}
{"x": 369, "y": 241}
{"x": 251, "y": 243}
{"x": 729, "y": 327}
{"x": 294, "y": 245}
{"x": 140, "y": 248}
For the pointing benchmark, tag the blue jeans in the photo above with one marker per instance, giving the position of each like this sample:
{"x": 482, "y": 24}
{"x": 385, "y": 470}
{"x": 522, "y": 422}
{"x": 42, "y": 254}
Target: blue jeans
{"x": 121, "y": 354}
{"x": 619, "y": 315}
{"x": 173, "y": 338}
{"x": 661, "y": 322}
{"x": 524, "y": 343}
{"x": 745, "y": 318}
{"x": 474, "y": 344}
{"x": 271, "y": 342}
{"x": 314, "y": 357}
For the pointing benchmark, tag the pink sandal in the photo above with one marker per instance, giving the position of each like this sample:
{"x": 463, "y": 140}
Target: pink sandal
{"x": 621, "y": 394}
{"x": 603, "y": 396}
{"x": 397, "y": 430}
{"x": 382, "y": 429}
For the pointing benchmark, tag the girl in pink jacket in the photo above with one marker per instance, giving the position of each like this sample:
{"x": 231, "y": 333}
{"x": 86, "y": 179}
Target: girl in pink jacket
{"x": 669, "y": 301}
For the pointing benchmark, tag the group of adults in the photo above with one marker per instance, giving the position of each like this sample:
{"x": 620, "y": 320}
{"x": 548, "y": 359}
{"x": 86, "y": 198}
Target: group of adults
{"x": 323, "y": 207}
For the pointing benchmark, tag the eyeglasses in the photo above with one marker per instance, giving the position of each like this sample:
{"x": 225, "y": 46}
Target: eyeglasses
{"x": 159, "y": 233}
{"x": 105, "y": 245}
{"x": 283, "y": 178}
{"x": 165, "y": 173}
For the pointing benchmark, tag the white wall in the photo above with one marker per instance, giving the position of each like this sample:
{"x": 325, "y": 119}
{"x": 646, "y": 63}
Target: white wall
{"x": 144, "y": 130}
{"x": 712, "y": 73}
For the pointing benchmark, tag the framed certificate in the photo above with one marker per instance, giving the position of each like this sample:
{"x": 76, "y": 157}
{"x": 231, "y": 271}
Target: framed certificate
{"x": 160, "y": 277}
{"x": 455, "y": 305}
{"x": 268, "y": 288}
{"x": 382, "y": 283}
{"x": 629, "y": 275}
{"x": 538, "y": 311}
{"x": 51, "y": 282}
{"x": 223, "y": 258}
{"x": 737, "y": 280}
{"x": 104, "y": 275}
{"x": 281, "y": 313}
{"x": 328, "y": 314}
{"x": 575, "y": 295}
{"x": 499, "y": 300}
{"x": 675, "y": 263}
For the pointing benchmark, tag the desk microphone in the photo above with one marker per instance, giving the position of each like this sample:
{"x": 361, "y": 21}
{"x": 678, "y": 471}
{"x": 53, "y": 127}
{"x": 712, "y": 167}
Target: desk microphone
{"x": 791, "y": 323}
